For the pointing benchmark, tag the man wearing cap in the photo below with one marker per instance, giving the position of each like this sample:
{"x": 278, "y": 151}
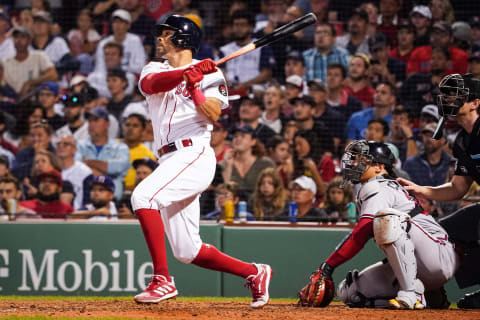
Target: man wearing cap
{"x": 117, "y": 84}
{"x": 101, "y": 205}
{"x": 28, "y": 68}
{"x": 7, "y": 49}
{"x": 324, "y": 53}
{"x": 303, "y": 191}
{"x": 474, "y": 64}
{"x": 383, "y": 67}
{"x": 92, "y": 100}
{"x": 405, "y": 43}
{"x": 358, "y": 82}
{"x": 295, "y": 64}
{"x": 76, "y": 125}
{"x": 421, "y": 18}
{"x": 294, "y": 85}
{"x": 441, "y": 36}
{"x": 430, "y": 167}
{"x": 356, "y": 40}
{"x": 133, "y": 127}
{"x": 134, "y": 56}
{"x": 48, "y": 204}
{"x": 103, "y": 155}
{"x": 113, "y": 54}
{"x": 48, "y": 97}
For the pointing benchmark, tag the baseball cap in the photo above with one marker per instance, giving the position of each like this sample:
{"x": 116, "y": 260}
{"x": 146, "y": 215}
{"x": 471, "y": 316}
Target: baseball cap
{"x": 360, "y": 13}
{"x": 295, "y": 80}
{"x": 117, "y": 72}
{"x": 53, "y": 174}
{"x": 42, "y": 15}
{"x": 442, "y": 26}
{"x": 475, "y": 56}
{"x": 304, "y": 99}
{"x": 377, "y": 41}
{"x": 136, "y": 108}
{"x": 423, "y": 10}
{"x": 253, "y": 101}
{"x": 405, "y": 24}
{"x": 462, "y": 31}
{"x": 21, "y": 30}
{"x": 89, "y": 94}
{"x": 123, "y": 15}
{"x": 306, "y": 183}
{"x": 146, "y": 162}
{"x": 77, "y": 79}
{"x": 105, "y": 181}
{"x": 431, "y": 110}
{"x": 296, "y": 55}
{"x": 317, "y": 84}
{"x": 245, "y": 129}
{"x": 73, "y": 100}
{"x": 474, "y": 21}
{"x": 49, "y": 86}
{"x": 98, "y": 112}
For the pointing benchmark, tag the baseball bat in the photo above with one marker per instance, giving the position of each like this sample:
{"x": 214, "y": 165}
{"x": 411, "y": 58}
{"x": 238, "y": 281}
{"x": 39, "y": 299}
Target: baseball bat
{"x": 275, "y": 35}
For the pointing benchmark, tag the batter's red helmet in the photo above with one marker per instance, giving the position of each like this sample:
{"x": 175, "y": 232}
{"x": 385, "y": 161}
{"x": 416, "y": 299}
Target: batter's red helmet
{"x": 187, "y": 33}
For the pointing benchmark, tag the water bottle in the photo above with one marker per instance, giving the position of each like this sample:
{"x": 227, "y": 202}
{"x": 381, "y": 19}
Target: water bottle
{"x": 292, "y": 212}
{"x": 242, "y": 211}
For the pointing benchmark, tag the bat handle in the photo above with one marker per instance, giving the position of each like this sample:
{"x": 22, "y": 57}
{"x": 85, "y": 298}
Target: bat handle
{"x": 221, "y": 61}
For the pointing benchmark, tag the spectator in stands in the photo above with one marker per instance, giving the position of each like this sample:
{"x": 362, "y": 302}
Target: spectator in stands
{"x": 475, "y": 25}
{"x": 229, "y": 191}
{"x": 442, "y": 10}
{"x": 48, "y": 97}
{"x": 462, "y": 36}
{"x": 295, "y": 65}
{"x": 8, "y": 96}
{"x": 92, "y": 100}
{"x": 72, "y": 170}
{"x": 27, "y": 69}
{"x": 76, "y": 125}
{"x": 40, "y": 137}
{"x": 143, "y": 168}
{"x": 428, "y": 115}
{"x": 337, "y": 96}
{"x": 405, "y": 43}
{"x": 429, "y": 167}
{"x": 134, "y": 57}
{"x": 5, "y": 165}
{"x": 401, "y": 135}
{"x": 217, "y": 140}
{"x": 249, "y": 69}
{"x": 421, "y": 18}
{"x": 377, "y": 130}
{"x": 474, "y": 64}
{"x": 278, "y": 150}
{"x": 19, "y": 135}
{"x": 372, "y": 11}
{"x": 358, "y": 83}
{"x": 24, "y": 19}
{"x": 113, "y": 54}
{"x": 273, "y": 100}
{"x": 244, "y": 161}
{"x": 249, "y": 114}
{"x": 303, "y": 115}
{"x": 7, "y": 49}
{"x": 383, "y": 67}
{"x": 269, "y": 198}
{"x": 356, "y": 40}
{"x": 339, "y": 202}
{"x": 48, "y": 204}
{"x": 101, "y": 205}
{"x": 324, "y": 53}
{"x": 132, "y": 128}
{"x": 180, "y": 7}
{"x": 441, "y": 36}
{"x": 302, "y": 192}
{"x": 388, "y": 19}
{"x": 117, "y": 84}
{"x": 421, "y": 88}
{"x": 10, "y": 190}
{"x": 293, "y": 87}
{"x": 4, "y": 144}
{"x": 102, "y": 154}
{"x": 383, "y": 103}
{"x": 83, "y": 41}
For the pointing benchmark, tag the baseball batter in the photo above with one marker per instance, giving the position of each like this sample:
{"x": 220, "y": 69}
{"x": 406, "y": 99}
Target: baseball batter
{"x": 184, "y": 97}
{"x": 420, "y": 257}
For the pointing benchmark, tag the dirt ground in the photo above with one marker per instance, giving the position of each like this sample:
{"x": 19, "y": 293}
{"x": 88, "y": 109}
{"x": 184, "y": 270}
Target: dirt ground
{"x": 205, "y": 310}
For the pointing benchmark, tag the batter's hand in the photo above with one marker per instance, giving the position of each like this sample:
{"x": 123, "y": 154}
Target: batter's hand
{"x": 207, "y": 66}
{"x": 192, "y": 75}
{"x": 418, "y": 191}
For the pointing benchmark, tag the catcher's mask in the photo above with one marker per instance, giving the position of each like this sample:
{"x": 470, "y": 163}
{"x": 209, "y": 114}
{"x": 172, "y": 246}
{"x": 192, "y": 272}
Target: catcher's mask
{"x": 361, "y": 153}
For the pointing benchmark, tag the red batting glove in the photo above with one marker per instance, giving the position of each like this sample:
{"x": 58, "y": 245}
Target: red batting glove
{"x": 207, "y": 66}
{"x": 192, "y": 75}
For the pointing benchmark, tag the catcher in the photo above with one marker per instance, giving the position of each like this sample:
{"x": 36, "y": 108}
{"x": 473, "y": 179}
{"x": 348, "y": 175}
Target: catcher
{"x": 419, "y": 256}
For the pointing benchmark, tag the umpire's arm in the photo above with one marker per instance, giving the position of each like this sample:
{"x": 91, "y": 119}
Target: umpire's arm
{"x": 450, "y": 191}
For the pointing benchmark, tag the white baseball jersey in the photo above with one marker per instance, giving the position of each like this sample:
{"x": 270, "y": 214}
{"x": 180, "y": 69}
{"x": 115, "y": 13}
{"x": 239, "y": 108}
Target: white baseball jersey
{"x": 173, "y": 113}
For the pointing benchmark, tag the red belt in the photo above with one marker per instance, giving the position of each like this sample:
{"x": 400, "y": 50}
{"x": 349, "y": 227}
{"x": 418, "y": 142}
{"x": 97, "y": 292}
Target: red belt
{"x": 171, "y": 147}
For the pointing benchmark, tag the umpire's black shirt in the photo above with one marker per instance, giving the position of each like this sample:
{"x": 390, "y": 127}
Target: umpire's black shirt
{"x": 471, "y": 144}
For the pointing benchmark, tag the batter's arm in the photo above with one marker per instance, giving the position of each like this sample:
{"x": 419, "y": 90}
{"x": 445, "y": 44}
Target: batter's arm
{"x": 211, "y": 108}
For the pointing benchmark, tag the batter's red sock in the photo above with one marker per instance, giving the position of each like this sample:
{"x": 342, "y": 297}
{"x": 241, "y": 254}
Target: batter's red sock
{"x": 210, "y": 258}
{"x": 154, "y": 232}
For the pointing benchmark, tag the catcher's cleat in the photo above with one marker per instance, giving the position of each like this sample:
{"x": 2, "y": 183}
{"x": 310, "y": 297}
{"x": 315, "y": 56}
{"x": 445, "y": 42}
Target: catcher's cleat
{"x": 158, "y": 289}
{"x": 403, "y": 305}
{"x": 258, "y": 284}
{"x": 470, "y": 301}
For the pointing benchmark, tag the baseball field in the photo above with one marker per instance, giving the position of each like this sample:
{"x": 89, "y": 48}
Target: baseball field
{"x": 35, "y": 308}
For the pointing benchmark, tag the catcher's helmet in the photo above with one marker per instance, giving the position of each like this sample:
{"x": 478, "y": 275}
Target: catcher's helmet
{"x": 360, "y": 153}
{"x": 187, "y": 34}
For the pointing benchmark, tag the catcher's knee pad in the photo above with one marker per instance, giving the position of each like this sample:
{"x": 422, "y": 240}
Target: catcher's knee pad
{"x": 387, "y": 226}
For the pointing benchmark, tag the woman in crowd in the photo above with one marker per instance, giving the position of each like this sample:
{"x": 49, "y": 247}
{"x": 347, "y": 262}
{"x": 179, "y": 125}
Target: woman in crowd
{"x": 442, "y": 10}
{"x": 339, "y": 205}
{"x": 269, "y": 198}
{"x": 279, "y": 151}
{"x": 28, "y": 114}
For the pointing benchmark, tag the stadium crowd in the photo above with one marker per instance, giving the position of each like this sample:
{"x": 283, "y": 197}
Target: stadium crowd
{"x": 76, "y": 135}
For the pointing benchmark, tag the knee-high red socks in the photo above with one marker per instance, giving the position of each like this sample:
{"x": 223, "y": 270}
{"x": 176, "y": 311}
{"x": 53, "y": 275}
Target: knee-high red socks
{"x": 210, "y": 258}
{"x": 154, "y": 232}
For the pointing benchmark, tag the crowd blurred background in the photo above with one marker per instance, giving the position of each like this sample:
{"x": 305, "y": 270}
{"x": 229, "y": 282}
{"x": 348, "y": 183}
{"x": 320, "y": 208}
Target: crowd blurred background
{"x": 76, "y": 135}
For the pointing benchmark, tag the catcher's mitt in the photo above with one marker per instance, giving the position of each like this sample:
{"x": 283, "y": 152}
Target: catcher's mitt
{"x": 318, "y": 292}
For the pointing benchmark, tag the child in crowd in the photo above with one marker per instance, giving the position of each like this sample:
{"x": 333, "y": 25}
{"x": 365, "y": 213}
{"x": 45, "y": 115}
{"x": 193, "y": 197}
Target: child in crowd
{"x": 339, "y": 204}
{"x": 269, "y": 198}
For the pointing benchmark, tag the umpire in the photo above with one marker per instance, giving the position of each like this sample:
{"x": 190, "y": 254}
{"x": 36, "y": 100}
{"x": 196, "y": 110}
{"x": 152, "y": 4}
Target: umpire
{"x": 460, "y": 98}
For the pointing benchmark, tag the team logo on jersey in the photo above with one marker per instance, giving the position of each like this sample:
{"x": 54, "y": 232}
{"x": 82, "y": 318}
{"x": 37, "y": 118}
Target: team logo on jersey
{"x": 223, "y": 90}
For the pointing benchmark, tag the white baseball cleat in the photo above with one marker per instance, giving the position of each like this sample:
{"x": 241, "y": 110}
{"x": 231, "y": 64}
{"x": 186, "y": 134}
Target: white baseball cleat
{"x": 258, "y": 284}
{"x": 158, "y": 289}
{"x": 408, "y": 300}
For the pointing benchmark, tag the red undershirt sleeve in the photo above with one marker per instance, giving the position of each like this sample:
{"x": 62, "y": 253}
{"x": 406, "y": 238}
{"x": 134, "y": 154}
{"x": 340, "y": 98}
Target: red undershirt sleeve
{"x": 162, "y": 81}
{"x": 353, "y": 243}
